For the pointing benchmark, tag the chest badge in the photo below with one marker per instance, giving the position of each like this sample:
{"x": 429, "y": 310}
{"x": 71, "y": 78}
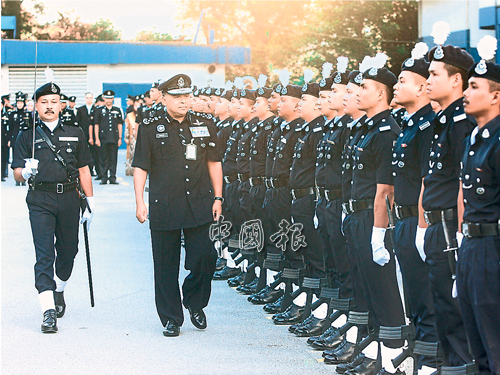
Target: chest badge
{"x": 69, "y": 150}
{"x": 160, "y": 128}
{"x": 480, "y": 190}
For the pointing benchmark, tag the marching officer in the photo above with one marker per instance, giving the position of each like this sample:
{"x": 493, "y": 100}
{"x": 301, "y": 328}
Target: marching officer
{"x": 180, "y": 151}
{"x": 108, "y": 122}
{"x": 478, "y": 267}
{"x": 55, "y": 178}
{"x": 6, "y": 137}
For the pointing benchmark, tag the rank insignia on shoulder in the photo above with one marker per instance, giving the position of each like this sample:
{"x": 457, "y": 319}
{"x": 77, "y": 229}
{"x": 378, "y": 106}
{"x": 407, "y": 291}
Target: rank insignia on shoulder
{"x": 460, "y": 117}
{"x": 198, "y": 122}
{"x": 384, "y": 128}
{"x": 425, "y": 125}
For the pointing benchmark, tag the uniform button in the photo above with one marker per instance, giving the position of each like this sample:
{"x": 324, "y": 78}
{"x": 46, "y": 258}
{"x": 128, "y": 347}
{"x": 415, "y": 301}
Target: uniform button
{"x": 436, "y": 136}
{"x": 187, "y": 179}
{"x": 465, "y": 200}
{"x": 430, "y": 171}
{"x": 55, "y": 159}
{"x": 156, "y": 200}
{"x": 187, "y": 167}
{"x": 467, "y": 176}
{"x": 394, "y": 174}
{"x": 181, "y": 130}
{"x": 187, "y": 192}
{"x": 471, "y": 153}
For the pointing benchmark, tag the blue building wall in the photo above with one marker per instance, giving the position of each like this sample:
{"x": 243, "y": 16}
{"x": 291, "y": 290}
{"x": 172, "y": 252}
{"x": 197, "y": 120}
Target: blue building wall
{"x": 22, "y": 52}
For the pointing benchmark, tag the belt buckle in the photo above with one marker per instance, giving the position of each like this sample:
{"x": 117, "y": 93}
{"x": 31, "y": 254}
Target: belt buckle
{"x": 293, "y": 194}
{"x": 397, "y": 212}
{"x": 59, "y": 188}
{"x": 427, "y": 218}
{"x": 351, "y": 208}
{"x": 251, "y": 181}
{"x": 240, "y": 177}
{"x": 226, "y": 178}
{"x": 271, "y": 181}
{"x": 465, "y": 229}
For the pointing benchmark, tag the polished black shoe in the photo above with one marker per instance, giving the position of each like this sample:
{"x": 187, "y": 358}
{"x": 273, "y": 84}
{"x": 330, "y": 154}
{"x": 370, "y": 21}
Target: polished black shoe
{"x": 330, "y": 342}
{"x": 301, "y": 324}
{"x": 330, "y": 331}
{"x": 113, "y": 182}
{"x": 314, "y": 327}
{"x": 345, "y": 354}
{"x": 293, "y": 314}
{"x": 268, "y": 296}
{"x": 237, "y": 280}
{"x": 49, "y": 324}
{"x": 60, "y": 304}
{"x": 103, "y": 182}
{"x": 198, "y": 318}
{"x": 366, "y": 367}
{"x": 275, "y": 307}
{"x": 249, "y": 288}
{"x": 385, "y": 372}
{"x": 18, "y": 183}
{"x": 346, "y": 366}
{"x": 226, "y": 273}
{"x": 172, "y": 329}
{"x": 220, "y": 264}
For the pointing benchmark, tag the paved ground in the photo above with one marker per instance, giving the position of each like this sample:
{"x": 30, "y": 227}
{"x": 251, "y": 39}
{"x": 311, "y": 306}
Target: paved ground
{"x": 122, "y": 333}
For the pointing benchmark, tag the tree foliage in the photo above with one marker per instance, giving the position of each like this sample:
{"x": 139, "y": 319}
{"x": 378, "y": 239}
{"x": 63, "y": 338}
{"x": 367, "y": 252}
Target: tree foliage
{"x": 152, "y": 36}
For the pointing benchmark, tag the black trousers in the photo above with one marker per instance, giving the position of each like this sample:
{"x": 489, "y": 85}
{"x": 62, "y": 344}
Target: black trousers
{"x": 5, "y": 161}
{"x": 54, "y": 222}
{"x": 96, "y": 165}
{"x": 449, "y": 322}
{"x": 384, "y": 300}
{"x": 325, "y": 238}
{"x": 417, "y": 286}
{"x": 232, "y": 205}
{"x": 245, "y": 201}
{"x": 200, "y": 261}
{"x": 257, "y": 196}
{"x": 303, "y": 210}
{"x": 109, "y": 154}
{"x": 339, "y": 247}
{"x": 478, "y": 284}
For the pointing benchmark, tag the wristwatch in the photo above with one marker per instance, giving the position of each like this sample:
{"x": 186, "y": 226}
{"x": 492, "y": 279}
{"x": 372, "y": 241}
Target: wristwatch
{"x": 219, "y": 199}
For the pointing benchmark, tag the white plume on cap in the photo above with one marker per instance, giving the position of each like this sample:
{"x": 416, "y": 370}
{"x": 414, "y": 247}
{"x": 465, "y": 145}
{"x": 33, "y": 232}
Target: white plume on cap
{"x": 239, "y": 83}
{"x": 262, "y": 80}
{"x": 419, "y": 51}
{"x": 228, "y": 85}
{"x": 284, "y": 77}
{"x": 365, "y": 64}
{"x": 308, "y": 75}
{"x": 327, "y": 70}
{"x": 379, "y": 60}
{"x": 440, "y": 32}
{"x": 49, "y": 75}
{"x": 342, "y": 62}
{"x": 487, "y": 47}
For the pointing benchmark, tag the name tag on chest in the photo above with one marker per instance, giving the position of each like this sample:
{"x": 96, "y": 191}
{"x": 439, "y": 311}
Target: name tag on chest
{"x": 199, "y": 131}
{"x": 68, "y": 139}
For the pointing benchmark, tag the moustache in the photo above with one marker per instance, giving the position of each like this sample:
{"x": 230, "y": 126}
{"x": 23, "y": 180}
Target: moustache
{"x": 48, "y": 111}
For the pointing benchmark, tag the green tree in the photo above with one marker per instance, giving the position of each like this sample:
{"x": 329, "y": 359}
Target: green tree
{"x": 24, "y": 19}
{"x": 153, "y": 36}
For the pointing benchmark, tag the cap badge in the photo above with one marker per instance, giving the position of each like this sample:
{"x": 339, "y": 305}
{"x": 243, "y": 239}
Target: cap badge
{"x": 208, "y": 91}
{"x": 261, "y": 91}
{"x": 358, "y": 78}
{"x": 481, "y": 67}
{"x": 439, "y": 53}
{"x": 409, "y": 63}
{"x": 338, "y": 78}
{"x": 284, "y": 91}
{"x": 304, "y": 88}
{"x": 322, "y": 83}
{"x": 160, "y": 128}
{"x": 373, "y": 72}
{"x": 53, "y": 88}
{"x": 278, "y": 89}
{"x": 243, "y": 92}
{"x": 217, "y": 92}
{"x": 180, "y": 82}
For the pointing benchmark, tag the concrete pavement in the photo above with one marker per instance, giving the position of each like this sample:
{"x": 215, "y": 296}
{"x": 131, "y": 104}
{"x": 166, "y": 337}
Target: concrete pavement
{"x": 122, "y": 333}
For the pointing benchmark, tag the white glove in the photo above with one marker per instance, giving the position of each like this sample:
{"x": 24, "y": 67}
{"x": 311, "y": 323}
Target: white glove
{"x": 454, "y": 291}
{"x": 30, "y": 168}
{"x": 380, "y": 254}
{"x": 88, "y": 215}
{"x": 460, "y": 238}
{"x": 419, "y": 242}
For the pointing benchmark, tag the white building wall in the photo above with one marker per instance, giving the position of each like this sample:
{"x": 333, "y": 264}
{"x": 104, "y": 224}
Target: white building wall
{"x": 5, "y": 79}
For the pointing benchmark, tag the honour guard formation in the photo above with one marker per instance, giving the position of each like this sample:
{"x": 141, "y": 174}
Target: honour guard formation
{"x": 361, "y": 212}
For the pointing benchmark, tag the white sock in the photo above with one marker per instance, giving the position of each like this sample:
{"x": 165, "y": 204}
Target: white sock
{"x": 301, "y": 299}
{"x": 321, "y": 311}
{"x": 46, "y": 299}
{"x": 387, "y": 355}
{"x": 230, "y": 262}
{"x": 270, "y": 275}
{"x": 294, "y": 287}
{"x": 371, "y": 350}
{"x": 352, "y": 334}
{"x": 340, "y": 321}
{"x": 60, "y": 285}
{"x": 225, "y": 253}
{"x": 426, "y": 370}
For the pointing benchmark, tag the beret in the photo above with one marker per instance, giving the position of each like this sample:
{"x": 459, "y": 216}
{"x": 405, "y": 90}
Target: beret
{"x": 310, "y": 89}
{"x": 418, "y": 66}
{"x": 451, "y": 55}
{"x": 247, "y": 94}
{"x": 227, "y": 94}
{"x": 487, "y": 70}
{"x": 326, "y": 84}
{"x": 341, "y": 78}
{"x": 293, "y": 91}
{"x": 382, "y": 75}
{"x": 263, "y": 92}
{"x": 47, "y": 89}
{"x": 356, "y": 77}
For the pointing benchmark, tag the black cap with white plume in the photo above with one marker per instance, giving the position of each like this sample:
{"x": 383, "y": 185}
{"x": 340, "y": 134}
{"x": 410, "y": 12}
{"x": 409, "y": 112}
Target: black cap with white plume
{"x": 341, "y": 76}
{"x": 448, "y": 54}
{"x": 50, "y": 88}
{"x": 416, "y": 62}
{"x": 378, "y": 72}
{"x": 486, "y": 49}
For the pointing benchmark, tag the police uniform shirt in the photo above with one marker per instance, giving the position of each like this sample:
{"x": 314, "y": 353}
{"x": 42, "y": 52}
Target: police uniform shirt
{"x": 320, "y": 152}
{"x": 157, "y": 109}
{"x": 303, "y": 171}
{"x": 6, "y": 129}
{"x": 357, "y": 129}
{"x": 284, "y": 149}
{"x": 68, "y": 117}
{"x": 224, "y": 131}
{"x": 333, "y": 154}
{"x": 142, "y": 113}
{"x": 481, "y": 174}
{"x": 108, "y": 121}
{"x": 19, "y": 120}
{"x": 229, "y": 159}
{"x": 258, "y": 147}
{"x": 243, "y": 155}
{"x": 398, "y": 115}
{"x": 411, "y": 156}
{"x": 70, "y": 143}
{"x": 271, "y": 145}
{"x": 180, "y": 191}
{"x": 372, "y": 162}
{"x": 451, "y": 127}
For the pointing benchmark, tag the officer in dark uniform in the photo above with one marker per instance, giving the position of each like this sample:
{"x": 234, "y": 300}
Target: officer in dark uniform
{"x": 53, "y": 200}
{"x": 478, "y": 267}
{"x": 130, "y": 104}
{"x": 449, "y": 65}
{"x": 19, "y": 119}
{"x": 6, "y": 102}
{"x": 180, "y": 151}
{"x": 143, "y": 111}
{"x": 6, "y": 137}
{"x": 108, "y": 123}
{"x": 410, "y": 165}
{"x": 158, "y": 108}
{"x": 85, "y": 119}
{"x": 72, "y": 103}
{"x": 68, "y": 115}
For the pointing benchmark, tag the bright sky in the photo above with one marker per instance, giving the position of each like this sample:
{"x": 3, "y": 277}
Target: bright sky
{"x": 128, "y": 16}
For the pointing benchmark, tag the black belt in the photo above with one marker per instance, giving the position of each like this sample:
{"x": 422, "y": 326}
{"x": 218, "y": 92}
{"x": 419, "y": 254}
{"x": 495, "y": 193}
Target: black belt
{"x": 299, "y": 193}
{"x": 433, "y": 217}
{"x": 278, "y": 182}
{"x": 480, "y": 229}
{"x": 359, "y": 205}
{"x": 254, "y": 181}
{"x": 242, "y": 177}
{"x": 403, "y": 212}
{"x": 54, "y": 187}
{"x": 231, "y": 178}
{"x": 331, "y": 195}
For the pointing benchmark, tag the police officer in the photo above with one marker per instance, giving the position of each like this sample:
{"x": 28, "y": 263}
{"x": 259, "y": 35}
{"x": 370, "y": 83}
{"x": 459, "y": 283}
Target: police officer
{"x": 410, "y": 165}
{"x": 53, "y": 200}
{"x": 144, "y": 110}
{"x": 158, "y": 108}
{"x": 180, "y": 151}
{"x": 478, "y": 265}
{"x": 85, "y": 119}
{"x": 108, "y": 123}
{"x": 72, "y": 103}
{"x": 6, "y": 102}
{"x": 446, "y": 83}
{"x": 19, "y": 119}
{"x": 6, "y": 137}
{"x": 68, "y": 116}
